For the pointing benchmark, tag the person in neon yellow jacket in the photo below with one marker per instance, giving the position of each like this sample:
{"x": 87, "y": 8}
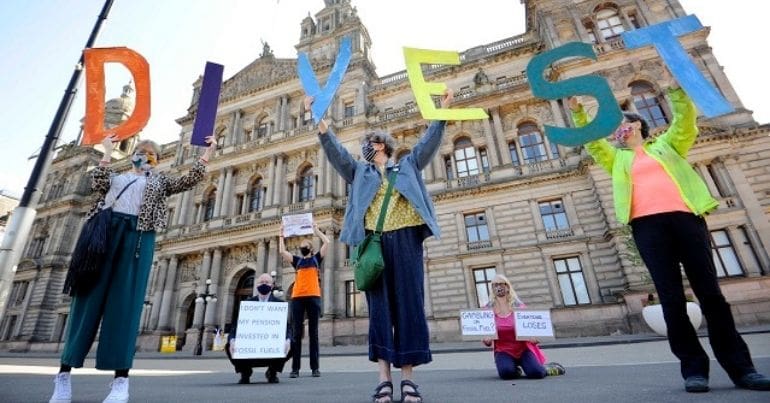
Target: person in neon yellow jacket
{"x": 664, "y": 200}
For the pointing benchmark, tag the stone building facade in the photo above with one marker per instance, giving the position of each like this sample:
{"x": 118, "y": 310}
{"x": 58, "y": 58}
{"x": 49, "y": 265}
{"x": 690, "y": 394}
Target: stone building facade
{"x": 508, "y": 201}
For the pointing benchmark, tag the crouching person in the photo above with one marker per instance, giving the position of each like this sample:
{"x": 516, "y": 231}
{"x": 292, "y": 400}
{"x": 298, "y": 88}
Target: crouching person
{"x": 274, "y": 365}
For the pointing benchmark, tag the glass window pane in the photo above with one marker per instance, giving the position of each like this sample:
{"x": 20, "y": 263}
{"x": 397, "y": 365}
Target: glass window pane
{"x": 732, "y": 265}
{"x": 478, "y": 275}
{"x": 472, "y": 234}
{"x": 561, "y": 221}
{"x": 482, "y": 293}
{"x": 720, "y": 238}
{"x": 580, "y": 288}
{"x": 473, "y": 165}
{"x": 459, "y": 155}
{"x": 483, "y": 233}
{"x": 560, "y": 265}
{"x": 549, "y": 223}
{"x": 566, "y": 290}
{"x": 718, "y": 264}
{"x": 470, "y": 220}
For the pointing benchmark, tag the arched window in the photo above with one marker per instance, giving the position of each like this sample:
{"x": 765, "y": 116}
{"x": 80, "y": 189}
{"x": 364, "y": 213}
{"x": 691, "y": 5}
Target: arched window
{"x": 648, "y": 104}
{"x": 208, "y": 205}
{"x": 306, "y": 185}
{"x": 465, "y": 158}
{"x": 608, "y": 22}
{"x": 245, "y": 289}
{"x": 531, "y": 142}
{"x": 255, "y": 195}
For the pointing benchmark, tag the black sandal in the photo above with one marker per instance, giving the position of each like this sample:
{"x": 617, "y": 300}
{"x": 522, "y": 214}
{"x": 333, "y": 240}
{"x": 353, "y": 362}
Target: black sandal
{"x": 412, "y": 393}
{"x": 379, "y": 394}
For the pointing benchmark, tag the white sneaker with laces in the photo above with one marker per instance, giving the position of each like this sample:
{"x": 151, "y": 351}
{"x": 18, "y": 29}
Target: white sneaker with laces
{"x": 119, "y": 391}
{"x": 62, "y": 388}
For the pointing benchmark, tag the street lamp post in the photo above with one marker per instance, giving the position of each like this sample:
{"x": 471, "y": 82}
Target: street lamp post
{"x": 205, "y": 298}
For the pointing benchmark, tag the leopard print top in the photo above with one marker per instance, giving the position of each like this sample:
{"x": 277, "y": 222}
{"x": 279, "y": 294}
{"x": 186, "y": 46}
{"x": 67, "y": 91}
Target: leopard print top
{"x": 153, "y": 215}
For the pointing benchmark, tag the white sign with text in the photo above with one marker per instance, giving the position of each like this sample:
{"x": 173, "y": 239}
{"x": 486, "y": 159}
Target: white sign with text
{"x": 261, "y": 331}
{"x": 533, "y": 325}
{"x": 297, "y": 224}
{"x": 478, "y": 324}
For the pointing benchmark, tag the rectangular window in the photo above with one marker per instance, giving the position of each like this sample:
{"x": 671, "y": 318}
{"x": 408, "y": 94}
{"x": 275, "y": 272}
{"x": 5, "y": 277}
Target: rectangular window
{"x": 18, "y": 293}
{"x": 484, "y": 160}
{"x": 36, "y": 247}
{"x": 238, "y": 204}
{"x": 61, "y": 326}
{"x": 514, "y": 154}
{"x": 354, "y": 301}
{"x": 476, "y": 227}
{"x": 448, "y": 168}
{"x": 725, "y": 258}
{"x": 569, "y": 273}
{"x": 553, "y": 215}
{"x": 262, "y": 130}
{"x": 10, "y": 323}
{"x": 350, "y": 110}
{"x": 717, "y": 172}
{"x": 482, "y": 280}
{"x": 554, "y": 150}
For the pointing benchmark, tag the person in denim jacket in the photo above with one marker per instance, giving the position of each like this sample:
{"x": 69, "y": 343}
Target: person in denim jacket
{"x": 398, "y": 329}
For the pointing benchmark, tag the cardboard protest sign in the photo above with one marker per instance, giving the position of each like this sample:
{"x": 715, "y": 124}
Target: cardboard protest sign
{"x": 207, "y": 104}
{"x": 94, "y": 60}
{"x": 664, "y": 37}
{"x": 323, "y": 97}
{"x": 476, "y": 324}
{"x": 261, "y": 331}
{"x": 297, "y": 224}
{"x": 423, "y": 90}
{"x": 609, "y": 116}
{"x": 532, "y": 325}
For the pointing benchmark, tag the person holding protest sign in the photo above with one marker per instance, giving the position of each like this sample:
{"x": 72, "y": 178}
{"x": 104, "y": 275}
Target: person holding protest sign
{"x": 514, "y": 358}
{"x": 398, "y": 329}
{"x": 658, "y": 193}
{"x": 263, "y": 293}
{"x": 115, "y": 298}
{"x": 305, "y": 297}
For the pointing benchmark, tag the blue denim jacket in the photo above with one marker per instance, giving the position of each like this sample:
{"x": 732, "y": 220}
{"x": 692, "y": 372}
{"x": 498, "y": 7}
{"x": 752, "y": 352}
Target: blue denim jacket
{"x": 366, "y": 180}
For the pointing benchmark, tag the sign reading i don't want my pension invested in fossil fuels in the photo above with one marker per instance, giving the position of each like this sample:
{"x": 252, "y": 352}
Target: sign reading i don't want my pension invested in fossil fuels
{"x": 261, "y": 330}
{"x": 663, "y": 37}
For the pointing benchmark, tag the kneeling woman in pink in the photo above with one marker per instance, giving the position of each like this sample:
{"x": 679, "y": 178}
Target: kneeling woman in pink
{"x": 513, "y": 356}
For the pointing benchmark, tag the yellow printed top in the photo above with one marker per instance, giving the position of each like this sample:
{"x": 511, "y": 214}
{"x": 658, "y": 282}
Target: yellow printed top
{"x": 399, "y": 214}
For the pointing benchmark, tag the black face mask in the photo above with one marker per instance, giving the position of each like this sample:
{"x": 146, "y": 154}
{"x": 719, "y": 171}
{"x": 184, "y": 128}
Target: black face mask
{"x": 304, "y": 250}
{"x": 264, "y": 289}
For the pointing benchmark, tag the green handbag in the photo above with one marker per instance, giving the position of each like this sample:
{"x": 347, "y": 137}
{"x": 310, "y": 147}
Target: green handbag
{"x": 367, "y": 262}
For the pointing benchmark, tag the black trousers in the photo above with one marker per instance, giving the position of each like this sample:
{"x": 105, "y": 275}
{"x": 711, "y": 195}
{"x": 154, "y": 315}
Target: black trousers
{"x": 299, "y": 307}
{"x": 244, "y": 366}
{"x": 664, "y": 241}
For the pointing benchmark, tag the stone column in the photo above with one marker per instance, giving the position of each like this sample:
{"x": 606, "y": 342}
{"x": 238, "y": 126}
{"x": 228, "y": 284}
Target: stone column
{"x": 493, "y": 149}
{"x": 220, "y": 193}
{"x": 260, "y": 259}
{"x": 227, "y": 197}
{"x": 429, "y": 175}
{"x": 323, "y": 166}
{"x": 278, "y": 184}
{"x": 272, "y": 254}
{"x": 181, "y": 218}
{"x": 330, "y": 264}
{"x": 501, "y": 143}
{"x": 439, "y": 172}
{"x": 270, "y": 183}
{"x": 167, "y": 306}
{"x": 211, "y": 317}
{"x": 203, "y": 274}
{"x": 157, "y": 298}
{"x": 235, "y": 137}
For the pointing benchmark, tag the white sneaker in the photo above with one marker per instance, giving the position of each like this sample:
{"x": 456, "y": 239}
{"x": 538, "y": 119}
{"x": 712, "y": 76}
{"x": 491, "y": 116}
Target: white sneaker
{"x": 119, "y": 392}
{"x": 62, "y": 388}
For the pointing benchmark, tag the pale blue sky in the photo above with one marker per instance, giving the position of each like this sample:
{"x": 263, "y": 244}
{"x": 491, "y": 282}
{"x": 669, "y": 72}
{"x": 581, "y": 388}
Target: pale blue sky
{"x": 41, "y": 41}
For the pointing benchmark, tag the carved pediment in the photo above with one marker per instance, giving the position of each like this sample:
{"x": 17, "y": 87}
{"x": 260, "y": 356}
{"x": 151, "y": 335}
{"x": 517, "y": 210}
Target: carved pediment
{"x": 259, "y": 74}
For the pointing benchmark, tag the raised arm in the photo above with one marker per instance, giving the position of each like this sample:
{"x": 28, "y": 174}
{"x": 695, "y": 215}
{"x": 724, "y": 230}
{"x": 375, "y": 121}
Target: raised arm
{"x": 101, "y": 176}
{"x": 337, "y": 155}
{"x": 198, "y": 170}
{"x": 430, "y": 142}
{"x": 601, "y": 150}
{"x": 324, "y": 240}
{"x": 683, "y": 130}
{"x": 287, "y": 257}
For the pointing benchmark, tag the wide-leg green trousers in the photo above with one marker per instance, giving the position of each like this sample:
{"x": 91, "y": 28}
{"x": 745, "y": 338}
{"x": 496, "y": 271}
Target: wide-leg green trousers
{"x": 116, "y": 301}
